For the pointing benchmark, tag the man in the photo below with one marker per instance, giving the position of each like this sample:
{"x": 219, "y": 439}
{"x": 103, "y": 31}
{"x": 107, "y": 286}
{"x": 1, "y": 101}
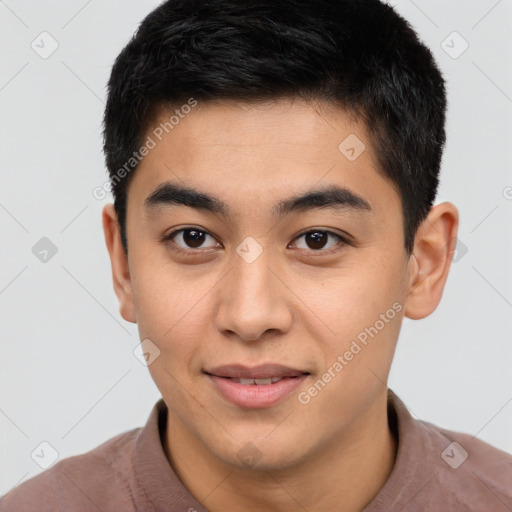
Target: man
{"x": 274, "y": 167}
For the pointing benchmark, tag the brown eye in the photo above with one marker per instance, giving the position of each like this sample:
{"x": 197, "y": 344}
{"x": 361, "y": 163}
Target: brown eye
{"x": 189, "y": 239}
{"x": 318, "y": 240}
{"x": 193, "y": 237}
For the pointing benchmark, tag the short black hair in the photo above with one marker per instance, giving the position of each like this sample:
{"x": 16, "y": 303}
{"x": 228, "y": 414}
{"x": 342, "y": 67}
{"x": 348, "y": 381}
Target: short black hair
{"x": 359, "y": 55}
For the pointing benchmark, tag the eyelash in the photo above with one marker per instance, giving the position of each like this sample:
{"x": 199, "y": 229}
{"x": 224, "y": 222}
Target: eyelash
{"x": 180, "y": 250}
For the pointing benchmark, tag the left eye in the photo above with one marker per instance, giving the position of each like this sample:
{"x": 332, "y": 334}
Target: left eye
{"x": 317, "y": 240}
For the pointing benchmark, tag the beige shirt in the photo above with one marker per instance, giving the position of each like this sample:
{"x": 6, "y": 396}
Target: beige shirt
{"x": 435, "y": 470}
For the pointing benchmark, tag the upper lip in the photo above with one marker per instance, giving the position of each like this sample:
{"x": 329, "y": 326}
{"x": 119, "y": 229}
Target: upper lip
{"x": 263, "y": 371}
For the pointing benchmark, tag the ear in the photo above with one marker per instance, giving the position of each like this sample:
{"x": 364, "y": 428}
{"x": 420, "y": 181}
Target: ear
{"x": 119, "y": 262}
{"x": 429, "y": 264}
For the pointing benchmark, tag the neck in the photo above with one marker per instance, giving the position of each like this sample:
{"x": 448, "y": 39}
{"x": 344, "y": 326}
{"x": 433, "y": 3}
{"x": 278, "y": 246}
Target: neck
{"x": 344, "y": 474}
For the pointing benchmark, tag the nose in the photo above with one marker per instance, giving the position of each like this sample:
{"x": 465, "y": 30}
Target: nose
{"x": 254, "y": 299}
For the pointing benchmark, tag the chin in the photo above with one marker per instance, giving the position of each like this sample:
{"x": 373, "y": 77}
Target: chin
{"x": 261, "y": 456}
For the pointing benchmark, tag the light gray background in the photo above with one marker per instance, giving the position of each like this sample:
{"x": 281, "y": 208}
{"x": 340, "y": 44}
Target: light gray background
{"x": 68, "y": 375}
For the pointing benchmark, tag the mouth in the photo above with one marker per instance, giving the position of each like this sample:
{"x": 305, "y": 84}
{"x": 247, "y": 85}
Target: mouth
{"x": 256, "y": 387}
{"x": 261, "y": 375}
{"x": 257, "y": 382}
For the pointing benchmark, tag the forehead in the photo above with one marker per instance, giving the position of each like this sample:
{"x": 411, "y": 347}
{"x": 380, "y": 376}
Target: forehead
{"x": 282, "y": 126}
{"x": 252, "y": 152}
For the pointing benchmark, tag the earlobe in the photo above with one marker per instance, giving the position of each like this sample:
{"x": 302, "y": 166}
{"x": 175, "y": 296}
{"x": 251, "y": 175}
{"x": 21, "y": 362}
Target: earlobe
{"x": 429, "y": 264}
{"x": 119, "y": 262}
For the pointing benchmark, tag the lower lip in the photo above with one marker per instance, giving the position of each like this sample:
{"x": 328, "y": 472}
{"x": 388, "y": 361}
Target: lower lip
{"x": 254, "y": 396}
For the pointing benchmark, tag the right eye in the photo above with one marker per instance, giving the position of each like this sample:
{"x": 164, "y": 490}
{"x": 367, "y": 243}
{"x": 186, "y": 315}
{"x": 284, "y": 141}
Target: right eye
{"x": 185, "y": 240}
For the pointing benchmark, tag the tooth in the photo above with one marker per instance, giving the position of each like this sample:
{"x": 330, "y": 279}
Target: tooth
{"x": 261, "y": 382}
{"x": 276, "y": 379}
{"x": 246, "y": 381}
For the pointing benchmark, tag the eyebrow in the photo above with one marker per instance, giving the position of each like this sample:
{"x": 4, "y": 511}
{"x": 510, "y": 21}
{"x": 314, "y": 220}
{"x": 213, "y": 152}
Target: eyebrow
{"x": 332, "y": 197}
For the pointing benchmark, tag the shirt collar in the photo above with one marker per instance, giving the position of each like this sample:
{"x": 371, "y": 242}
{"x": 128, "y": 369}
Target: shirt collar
{"x": 157, "y": 487}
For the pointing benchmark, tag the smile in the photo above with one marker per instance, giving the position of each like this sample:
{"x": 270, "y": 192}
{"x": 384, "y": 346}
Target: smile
{"x": 256, "y": 393}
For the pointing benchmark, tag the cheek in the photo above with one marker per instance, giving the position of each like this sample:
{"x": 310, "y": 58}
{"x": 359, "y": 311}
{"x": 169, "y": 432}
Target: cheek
{"x": 360, "y": 311}
{"x": 172, "y": 313}
{"x": 166, "y": 296}
{"x": 351, "y": 298}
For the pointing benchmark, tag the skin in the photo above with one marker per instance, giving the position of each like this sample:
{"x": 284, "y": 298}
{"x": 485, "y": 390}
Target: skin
{"x": 292, "y": 305}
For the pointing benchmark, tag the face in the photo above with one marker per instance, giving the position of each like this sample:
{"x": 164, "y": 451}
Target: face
{"x": 316, "y": 285}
